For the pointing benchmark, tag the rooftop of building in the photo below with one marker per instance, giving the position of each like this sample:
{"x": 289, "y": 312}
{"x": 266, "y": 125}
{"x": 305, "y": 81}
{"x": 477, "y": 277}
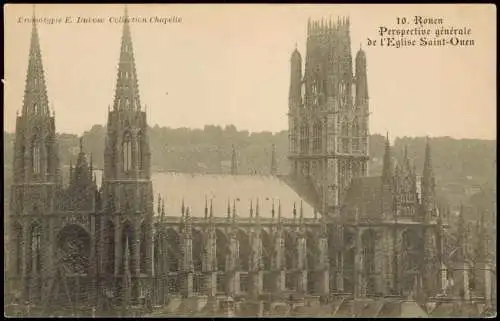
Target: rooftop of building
{"x": 242, "y": 191}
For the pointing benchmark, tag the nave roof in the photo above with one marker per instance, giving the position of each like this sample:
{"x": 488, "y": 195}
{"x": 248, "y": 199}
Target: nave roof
{"x": 242, "y": 191}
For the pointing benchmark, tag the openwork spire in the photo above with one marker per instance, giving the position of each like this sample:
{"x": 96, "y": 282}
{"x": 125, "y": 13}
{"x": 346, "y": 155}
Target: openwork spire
{"x": 36, "y": 101}
{"x": 428, "y": 174}
{"x": 428, "y": 181}
{"x": 82, "y": 160}
{"x": 387, "y": 169}
{"x": 406, "y": 161}
{"x": 127, "y": 86}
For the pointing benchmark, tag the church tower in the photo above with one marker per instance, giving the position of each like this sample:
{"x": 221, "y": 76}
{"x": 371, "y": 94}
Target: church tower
{"x": 127, "y": 192}
{"x": 328, "y": 114}
{"x": 36, "y": 180}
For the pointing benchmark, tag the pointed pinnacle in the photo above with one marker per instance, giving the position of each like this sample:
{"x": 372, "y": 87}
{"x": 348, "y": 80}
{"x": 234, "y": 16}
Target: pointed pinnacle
{"x": 206, "y": 207}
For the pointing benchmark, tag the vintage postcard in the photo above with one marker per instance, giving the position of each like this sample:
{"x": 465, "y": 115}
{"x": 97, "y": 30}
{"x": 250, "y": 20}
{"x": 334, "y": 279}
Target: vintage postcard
{"x": 250, "y": 160}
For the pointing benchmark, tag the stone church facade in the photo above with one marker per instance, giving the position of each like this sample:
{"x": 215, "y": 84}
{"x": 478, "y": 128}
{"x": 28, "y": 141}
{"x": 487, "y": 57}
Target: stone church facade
{"x": 131, "y": 236}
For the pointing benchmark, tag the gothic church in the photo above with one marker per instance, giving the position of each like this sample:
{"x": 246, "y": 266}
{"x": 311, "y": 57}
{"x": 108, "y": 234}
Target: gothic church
{"x": 326, "y": 229}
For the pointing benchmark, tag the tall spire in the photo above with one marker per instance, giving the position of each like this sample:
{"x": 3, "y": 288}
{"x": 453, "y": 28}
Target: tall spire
{"x": 234, "y": 162}
{"x": 387, "y": 169}
{"x": 406, "y": 167}
{"x": 127, "y": 87}
{"x": 274, "y": 164}
{"x": 81, "y": 160}
{"x": 428, "y": 183}
{"x": 35, "y": 93}
{"x": 427, "y": 163}
{"x": 82, "y": 176}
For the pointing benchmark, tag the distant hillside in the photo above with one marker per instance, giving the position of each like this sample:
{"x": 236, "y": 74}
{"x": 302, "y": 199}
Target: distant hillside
{"x": 463, "y": 167}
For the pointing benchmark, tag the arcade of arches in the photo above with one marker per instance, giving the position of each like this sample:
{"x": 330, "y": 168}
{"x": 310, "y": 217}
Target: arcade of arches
{"x": 215, "y": 260}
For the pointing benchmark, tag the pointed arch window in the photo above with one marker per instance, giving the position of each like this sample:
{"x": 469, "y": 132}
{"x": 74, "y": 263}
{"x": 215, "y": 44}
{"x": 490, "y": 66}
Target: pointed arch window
{"x": 343, "y": 93}
{"x": 36, "y": 238}
{"x": 355, "y": 134}
{"x": 304, "y": 138}
{"x": 36, "y": 155}
{"x": 303, "y": 92}
{"x": 35, "y": 108}
{"x": 18, "y": 244}
{"x": 293, "y": 135}
{"x": 127, "y": 152}
{"x": 139, "y": 149}
{"x": 317, "y": 137}
{"x": 127, "y": 257}
{"x": 316, "y": 87}
{"x": 48, "y": 160}
{"x": 315, "y": 92}
{"x": 345, "y": 128}
{"x": 143, "y": 248}
{"x": 345, "y": 137}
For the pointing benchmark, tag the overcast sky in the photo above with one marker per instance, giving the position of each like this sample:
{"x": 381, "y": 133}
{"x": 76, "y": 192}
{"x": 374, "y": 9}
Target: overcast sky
{"x": 229, "y": 64}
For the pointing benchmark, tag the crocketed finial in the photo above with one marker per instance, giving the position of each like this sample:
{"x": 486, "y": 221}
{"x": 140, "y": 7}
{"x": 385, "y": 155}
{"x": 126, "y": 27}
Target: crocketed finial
{"x": 206, "y": 207}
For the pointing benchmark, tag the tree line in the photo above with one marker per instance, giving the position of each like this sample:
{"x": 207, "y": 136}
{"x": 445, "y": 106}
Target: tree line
{"x": 461, "y": 166}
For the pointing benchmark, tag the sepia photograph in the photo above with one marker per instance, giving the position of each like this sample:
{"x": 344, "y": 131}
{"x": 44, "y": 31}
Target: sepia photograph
{"x": 250, "y": 160}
